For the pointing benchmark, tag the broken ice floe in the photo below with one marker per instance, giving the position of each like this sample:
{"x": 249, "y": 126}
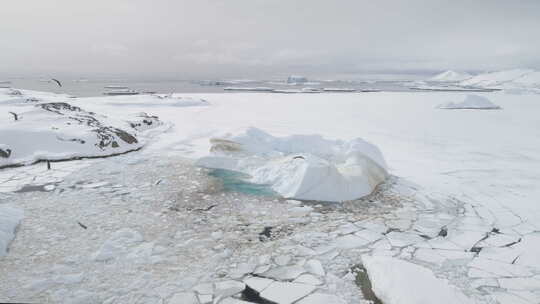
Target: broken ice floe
{"x": 396, "y": 281}
{"x": 306, "y": 167}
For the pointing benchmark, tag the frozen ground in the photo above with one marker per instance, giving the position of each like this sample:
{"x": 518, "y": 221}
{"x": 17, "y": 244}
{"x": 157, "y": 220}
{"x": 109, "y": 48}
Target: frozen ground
{"x": 149, "y": 227}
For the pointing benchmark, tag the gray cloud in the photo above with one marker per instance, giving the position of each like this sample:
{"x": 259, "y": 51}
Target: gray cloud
{"x": 257, "y": 38}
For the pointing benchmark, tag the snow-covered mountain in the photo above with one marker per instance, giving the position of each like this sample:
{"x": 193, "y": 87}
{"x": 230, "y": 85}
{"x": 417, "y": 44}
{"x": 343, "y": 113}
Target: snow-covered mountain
{"x": 516, "y": 78}
{"x": 451, "y": 76}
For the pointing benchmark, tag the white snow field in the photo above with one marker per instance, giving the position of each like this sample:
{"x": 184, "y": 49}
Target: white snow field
{"x": 451, "y": 76}
{"x": 306, "y": 167}
{"x": 470, "y": 102}
{"x": 459, "y": 208}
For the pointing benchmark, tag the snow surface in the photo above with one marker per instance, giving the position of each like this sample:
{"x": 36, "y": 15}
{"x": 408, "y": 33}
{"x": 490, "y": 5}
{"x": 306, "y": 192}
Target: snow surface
{"x": 305, "y": 167}
{"x": 450, "y": 76}
{"x": 395, "y": 281}
{"x": 470, "y": 216}
{"x": 471, "y": 102}
{"x": 9, "y": 220}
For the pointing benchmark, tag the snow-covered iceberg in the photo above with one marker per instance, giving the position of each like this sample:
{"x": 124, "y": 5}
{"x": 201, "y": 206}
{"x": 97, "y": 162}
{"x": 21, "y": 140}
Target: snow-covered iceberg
{"x": 474, "y": 102}
{"x": 9, "y": 220}
{"x": 293, "y": 79}
{"x": 450, "y": 76}
{"x": 306, "y": 167}
{"x": 395, "y": 281}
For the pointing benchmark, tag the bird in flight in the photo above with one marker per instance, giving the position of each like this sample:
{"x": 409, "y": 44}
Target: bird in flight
{"x": 57, "y": 82}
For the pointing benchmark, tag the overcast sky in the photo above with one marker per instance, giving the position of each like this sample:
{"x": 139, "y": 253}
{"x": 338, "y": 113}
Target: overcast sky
{"x": 261, "y": 38}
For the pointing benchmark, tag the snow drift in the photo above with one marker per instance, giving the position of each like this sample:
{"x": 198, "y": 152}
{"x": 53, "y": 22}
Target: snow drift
{"x": 471, "y": 102}
{"x": 9, "y": 220}
{"x": 395, "y": 281}
{"x": 306, "y": 167}
{"x": 450, "y": 76}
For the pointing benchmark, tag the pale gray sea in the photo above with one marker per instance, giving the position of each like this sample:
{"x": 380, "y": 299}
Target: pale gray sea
{"x": 96, "y": 87}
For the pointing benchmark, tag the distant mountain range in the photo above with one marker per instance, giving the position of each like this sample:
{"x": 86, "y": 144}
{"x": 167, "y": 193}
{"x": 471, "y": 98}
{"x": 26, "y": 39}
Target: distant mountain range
{"x": 506, "y": 79}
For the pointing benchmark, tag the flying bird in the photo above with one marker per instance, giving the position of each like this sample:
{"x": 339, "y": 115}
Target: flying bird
{"x": 57, "y": 81}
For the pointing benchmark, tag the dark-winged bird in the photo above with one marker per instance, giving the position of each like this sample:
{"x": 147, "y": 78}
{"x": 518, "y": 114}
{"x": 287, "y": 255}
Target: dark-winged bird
{"x": 57, "y": 81}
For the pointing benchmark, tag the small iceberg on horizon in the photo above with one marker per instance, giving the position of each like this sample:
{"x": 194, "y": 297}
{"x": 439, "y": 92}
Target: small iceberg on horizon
{"x": 451, "y": 76}
{"x": 471, "y": 102}
{"x": 296, "y": 79}
{"x": 305, "y": 167}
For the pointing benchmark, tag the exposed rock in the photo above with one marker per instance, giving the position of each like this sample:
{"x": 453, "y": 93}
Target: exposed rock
{"x": 363, "y": 281}
{"x": 443, "y": 232}
{"x": 265, "y": 234}
{"x": 13, "y": 92}
{"x": 60, "y": 107}
{"x": 145, "y": 122}
{"x": 4, "y": 151}
{"x": 106, "y": 135}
